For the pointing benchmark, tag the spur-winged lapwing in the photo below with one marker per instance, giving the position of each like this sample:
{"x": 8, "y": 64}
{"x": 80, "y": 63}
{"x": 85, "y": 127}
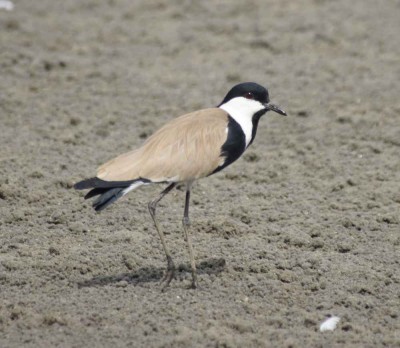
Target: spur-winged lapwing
{"x": 187, "y": 148}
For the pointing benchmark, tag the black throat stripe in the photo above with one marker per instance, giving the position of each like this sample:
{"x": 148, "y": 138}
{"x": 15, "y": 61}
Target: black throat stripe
{"x": 255, "y": 120}
{"x": 234, "y": 145}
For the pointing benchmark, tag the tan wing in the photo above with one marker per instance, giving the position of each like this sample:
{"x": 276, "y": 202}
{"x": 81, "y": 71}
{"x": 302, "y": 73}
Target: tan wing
{"x": 186, "y": 148}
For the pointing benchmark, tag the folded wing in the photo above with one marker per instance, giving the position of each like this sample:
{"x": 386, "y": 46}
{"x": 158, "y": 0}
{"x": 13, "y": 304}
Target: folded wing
{"x": 186, "y": 148}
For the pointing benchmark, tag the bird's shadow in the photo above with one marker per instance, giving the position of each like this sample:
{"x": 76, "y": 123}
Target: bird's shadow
{"x": 155, "y": 274}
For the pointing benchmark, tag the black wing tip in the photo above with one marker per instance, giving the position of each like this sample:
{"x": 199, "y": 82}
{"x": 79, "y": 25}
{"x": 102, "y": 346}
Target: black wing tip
{"x": 99, "y": 183}
{"x": 86, "y": 184}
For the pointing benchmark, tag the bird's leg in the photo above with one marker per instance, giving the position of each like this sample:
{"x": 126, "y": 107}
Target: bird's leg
{"x": 169, "y": 275}
{"x": 186, "y": 225}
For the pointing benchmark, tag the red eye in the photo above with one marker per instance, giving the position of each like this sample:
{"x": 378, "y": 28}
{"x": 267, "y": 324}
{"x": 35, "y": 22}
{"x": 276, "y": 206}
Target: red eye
{"x": 249, "y": 95}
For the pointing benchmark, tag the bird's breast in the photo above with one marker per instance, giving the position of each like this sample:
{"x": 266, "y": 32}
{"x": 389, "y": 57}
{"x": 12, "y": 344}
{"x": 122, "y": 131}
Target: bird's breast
{"x": 234, "y": 145}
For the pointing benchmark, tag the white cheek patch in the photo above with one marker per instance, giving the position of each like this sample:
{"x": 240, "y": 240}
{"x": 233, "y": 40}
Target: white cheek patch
{"x": 242, "y": 111}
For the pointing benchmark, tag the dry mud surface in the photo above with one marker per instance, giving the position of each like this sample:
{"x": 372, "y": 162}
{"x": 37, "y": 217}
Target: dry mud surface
{"x": 305, "y": 225}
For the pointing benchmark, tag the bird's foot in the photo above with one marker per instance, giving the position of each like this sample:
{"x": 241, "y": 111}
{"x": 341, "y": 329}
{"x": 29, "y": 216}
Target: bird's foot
{"x": 193, "y": 284}
{"x": 169, "y": 274}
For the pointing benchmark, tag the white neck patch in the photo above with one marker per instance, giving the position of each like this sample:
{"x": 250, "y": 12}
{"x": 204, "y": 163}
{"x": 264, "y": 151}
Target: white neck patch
{"x": 242, "y": 111}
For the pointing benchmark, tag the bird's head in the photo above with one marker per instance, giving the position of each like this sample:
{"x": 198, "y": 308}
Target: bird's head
{"x": 249, "y": 98}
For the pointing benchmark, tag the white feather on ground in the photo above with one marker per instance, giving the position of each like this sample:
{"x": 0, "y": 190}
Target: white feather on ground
{"x": 6, "y": 5}
{"x": 329, "y": 324}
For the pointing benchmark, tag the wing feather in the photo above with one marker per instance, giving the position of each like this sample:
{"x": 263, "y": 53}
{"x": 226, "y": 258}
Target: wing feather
{"x": 186, "y": 148}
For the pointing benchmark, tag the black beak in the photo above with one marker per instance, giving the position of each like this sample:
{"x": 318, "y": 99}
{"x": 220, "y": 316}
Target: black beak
{"x": 275, "y": 108}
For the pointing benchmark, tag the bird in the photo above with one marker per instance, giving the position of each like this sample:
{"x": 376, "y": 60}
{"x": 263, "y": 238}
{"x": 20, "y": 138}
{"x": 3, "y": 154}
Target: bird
{"x": 187, "y": 148}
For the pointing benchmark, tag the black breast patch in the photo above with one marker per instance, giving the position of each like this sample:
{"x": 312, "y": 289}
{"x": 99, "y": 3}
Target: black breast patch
{"x": 234, "y": 145}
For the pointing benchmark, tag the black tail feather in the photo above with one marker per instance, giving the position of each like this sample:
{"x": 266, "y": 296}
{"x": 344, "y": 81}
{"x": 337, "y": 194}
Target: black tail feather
{"x": 98, "y": 183}
{"x": 107, "y": 198}
{"x": 95, "y": 192}
{"x": 108, "y": 191}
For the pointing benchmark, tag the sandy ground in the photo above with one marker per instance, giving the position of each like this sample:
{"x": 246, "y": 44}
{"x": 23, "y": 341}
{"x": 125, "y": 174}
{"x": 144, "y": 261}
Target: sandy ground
{"x": 305, "y": 225}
